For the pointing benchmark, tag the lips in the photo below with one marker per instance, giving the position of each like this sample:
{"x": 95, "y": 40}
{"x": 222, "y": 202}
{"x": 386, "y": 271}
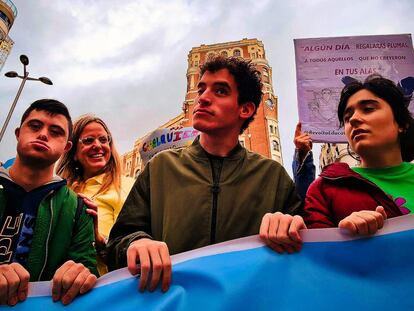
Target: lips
{"x": 96, "y": 155}
{"x": 201, "y": 110}
{"x": 40, "y": 145}
{"x": 357, "y": 132}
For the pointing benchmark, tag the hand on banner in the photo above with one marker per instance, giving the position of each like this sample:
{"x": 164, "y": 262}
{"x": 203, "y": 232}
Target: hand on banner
{"x": 281, "y": 232}
{"x": 154, "y": 263}
{"x": 70, "y": 280}
{"x": 92, "y": 209}
{"x": 14, "y": 283}
{"x": 364, "y": 222}
{"x": 302, "y": 141}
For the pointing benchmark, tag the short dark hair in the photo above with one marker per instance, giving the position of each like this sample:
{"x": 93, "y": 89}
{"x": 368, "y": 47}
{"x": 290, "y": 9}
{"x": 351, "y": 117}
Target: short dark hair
{"x": 247, "y": 77}
{"x": 51, "y": 106}
{"x": 388, "y": 91}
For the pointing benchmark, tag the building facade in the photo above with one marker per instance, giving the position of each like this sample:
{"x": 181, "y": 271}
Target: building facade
{"x": 337, "y": 153}
{"x": 8, "y": 13}
{"x": 262, "y": 135}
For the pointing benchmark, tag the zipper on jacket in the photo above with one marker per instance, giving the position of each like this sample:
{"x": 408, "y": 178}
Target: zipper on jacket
{"x": 47, "y": 239}
{"x": 215, "y": 189}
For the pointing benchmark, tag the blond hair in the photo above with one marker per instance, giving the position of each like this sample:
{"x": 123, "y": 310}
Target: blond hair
{"x": 72, "y": 170}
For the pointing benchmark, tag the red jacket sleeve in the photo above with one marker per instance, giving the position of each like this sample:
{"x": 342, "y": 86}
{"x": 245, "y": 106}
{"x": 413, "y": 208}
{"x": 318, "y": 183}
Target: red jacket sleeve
{"x": 317, "y": 211}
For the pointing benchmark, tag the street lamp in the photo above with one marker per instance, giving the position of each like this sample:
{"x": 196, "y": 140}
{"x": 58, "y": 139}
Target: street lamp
{"x": 13, "y": 74}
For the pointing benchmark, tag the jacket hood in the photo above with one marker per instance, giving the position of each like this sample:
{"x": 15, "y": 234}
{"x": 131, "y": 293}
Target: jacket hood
{"x": 5, "y": 173}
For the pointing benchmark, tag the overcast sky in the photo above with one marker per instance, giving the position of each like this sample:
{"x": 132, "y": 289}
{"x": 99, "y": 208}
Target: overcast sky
{"x": 126, "y": 61}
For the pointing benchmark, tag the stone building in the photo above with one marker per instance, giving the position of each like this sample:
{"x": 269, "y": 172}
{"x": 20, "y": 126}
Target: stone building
{"x": 8, "y": 13}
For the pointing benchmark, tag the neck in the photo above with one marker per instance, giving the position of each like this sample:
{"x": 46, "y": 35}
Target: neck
{"x": 373, "y": 159}
{"x": 218, "y": 145}
{"x": 29, "y": 177}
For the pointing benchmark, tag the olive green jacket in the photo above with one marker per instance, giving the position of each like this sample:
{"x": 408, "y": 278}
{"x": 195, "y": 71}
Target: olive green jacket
{"x": 57, "y": 236}
{"x": 172, "y": 200}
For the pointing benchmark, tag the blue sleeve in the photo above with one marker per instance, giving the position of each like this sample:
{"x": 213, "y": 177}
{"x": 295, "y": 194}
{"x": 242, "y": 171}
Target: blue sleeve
{"x": 303, "y": 173}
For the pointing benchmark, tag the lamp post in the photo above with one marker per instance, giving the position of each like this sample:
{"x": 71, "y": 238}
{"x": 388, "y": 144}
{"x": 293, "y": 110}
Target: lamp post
{"x": 13, "y": 74}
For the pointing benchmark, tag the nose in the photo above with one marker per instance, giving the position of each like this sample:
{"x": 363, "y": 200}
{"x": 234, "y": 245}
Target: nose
{"x": 96, "y": 144}
{"x": 204, "y": 98}
{"x": 43, "y": 134}
{"x": 355, "y": 119}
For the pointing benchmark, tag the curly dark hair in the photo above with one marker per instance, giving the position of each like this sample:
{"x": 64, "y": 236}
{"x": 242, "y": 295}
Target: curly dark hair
{"x": 394, "y": 96}
{"x": 247, "y": 77}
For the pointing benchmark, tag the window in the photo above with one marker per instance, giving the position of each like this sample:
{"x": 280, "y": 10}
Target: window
{"x": 275, "y": 145}
{"x": 271, "y": 129}
{"x": 236, "y": 53}
{"x": 210, "y": 55}
{"x": 224, "y": 54}
{"x": 266, "y": 75}
{"x": 5, "y": 18}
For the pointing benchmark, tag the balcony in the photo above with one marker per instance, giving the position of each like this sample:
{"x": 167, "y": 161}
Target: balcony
{"x": 11, "y": 6}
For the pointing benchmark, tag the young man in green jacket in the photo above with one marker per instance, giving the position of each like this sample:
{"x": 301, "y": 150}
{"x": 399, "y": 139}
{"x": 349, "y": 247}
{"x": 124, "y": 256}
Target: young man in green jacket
{"x": 44, "y": 233}
{"x": 213, "y": 191}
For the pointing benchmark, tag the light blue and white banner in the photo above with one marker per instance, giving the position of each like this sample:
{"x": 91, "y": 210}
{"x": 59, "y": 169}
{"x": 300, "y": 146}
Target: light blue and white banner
{"x": 333, "y": 271}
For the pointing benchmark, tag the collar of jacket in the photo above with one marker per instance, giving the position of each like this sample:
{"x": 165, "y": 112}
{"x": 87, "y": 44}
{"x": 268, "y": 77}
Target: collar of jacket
{"x": 97, "y": 179}
{"x": 5, "y": 173}
{"x": 197, "y": 150}
{"x": 339, "y": 170}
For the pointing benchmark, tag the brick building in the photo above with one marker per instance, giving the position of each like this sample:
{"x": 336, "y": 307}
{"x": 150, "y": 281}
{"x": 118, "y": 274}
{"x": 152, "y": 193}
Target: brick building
{"x": 262, "y": 136}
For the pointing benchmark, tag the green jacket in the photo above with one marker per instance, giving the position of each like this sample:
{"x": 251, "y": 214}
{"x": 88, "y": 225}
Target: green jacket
{"x": 173, "y": 200}
{"x": 57, "y": 236}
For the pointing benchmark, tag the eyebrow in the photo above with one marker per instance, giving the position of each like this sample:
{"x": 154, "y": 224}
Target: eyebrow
{"x": 215, "y": 84}
{"x": 367, "y": 101}
{"x": 362, "y": 102}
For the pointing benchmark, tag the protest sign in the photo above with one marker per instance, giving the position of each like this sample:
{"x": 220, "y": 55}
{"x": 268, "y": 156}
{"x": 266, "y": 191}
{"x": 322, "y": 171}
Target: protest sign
{"x": 164, "y": 138}
{"x": 325, "y": 65}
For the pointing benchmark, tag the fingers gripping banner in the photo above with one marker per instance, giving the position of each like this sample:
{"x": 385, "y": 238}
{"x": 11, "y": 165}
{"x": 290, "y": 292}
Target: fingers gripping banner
{"x": 332, "y": 271}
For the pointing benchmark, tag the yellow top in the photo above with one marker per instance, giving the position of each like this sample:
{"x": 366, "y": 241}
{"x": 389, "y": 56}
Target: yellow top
{"x": 109, "y": 205}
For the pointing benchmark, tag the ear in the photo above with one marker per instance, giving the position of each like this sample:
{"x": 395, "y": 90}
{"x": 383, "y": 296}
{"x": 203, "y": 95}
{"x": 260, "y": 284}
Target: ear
{"x": 247, "y": 110}
{"x": 17, "y": 132}
{"x": 68, "y": 146}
